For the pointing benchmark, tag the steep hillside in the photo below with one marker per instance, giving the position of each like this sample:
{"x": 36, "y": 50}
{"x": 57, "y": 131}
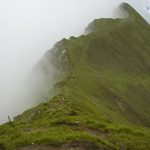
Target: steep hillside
{"x": 103, "y": 100}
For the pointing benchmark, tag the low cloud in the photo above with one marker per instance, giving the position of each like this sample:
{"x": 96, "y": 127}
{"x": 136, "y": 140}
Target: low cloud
{"x": 29, "y": 28}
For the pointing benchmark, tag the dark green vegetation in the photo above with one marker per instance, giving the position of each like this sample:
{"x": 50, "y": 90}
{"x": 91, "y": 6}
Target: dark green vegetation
{"x": 105, "y": 97}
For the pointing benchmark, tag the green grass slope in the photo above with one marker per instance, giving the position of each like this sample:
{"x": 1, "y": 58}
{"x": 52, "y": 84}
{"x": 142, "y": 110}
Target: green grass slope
{"x": 104, "y": 99}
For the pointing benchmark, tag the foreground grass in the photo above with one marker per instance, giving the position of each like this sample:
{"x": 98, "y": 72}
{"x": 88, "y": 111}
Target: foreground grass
{"x": 63, "y": 125}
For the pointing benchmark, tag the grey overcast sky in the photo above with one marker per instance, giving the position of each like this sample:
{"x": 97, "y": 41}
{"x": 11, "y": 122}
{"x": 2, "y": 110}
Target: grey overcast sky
{"x": 28, "y": 28}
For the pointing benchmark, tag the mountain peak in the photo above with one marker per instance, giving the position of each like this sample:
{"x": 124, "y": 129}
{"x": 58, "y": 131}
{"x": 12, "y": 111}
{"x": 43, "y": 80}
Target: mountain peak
{"x": 109, "y": 24}
{"x": 133, "y": 13}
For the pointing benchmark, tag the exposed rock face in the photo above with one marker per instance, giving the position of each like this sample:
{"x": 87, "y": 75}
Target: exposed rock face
{"x": 50, "y": 70}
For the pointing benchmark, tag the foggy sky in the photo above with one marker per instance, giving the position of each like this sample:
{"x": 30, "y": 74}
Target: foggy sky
{"x": 28, "y": 28}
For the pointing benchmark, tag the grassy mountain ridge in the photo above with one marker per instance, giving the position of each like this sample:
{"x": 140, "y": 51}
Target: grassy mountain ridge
{"x": 103, "y": 101}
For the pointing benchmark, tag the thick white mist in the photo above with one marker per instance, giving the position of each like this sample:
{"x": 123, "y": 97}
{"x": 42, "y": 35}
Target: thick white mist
{"x": 28, "y": 28}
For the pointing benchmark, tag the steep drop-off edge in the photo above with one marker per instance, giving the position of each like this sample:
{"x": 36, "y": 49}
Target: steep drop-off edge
{"x": 103, "y": 100}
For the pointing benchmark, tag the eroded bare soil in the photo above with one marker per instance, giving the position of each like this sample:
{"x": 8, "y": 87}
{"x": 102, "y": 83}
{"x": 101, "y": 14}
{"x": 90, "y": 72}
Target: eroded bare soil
{"x": 68, "y": 146}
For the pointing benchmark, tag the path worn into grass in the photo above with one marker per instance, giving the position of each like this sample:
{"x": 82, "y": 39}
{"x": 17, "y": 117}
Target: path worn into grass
{"x": 68, "y": 146}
